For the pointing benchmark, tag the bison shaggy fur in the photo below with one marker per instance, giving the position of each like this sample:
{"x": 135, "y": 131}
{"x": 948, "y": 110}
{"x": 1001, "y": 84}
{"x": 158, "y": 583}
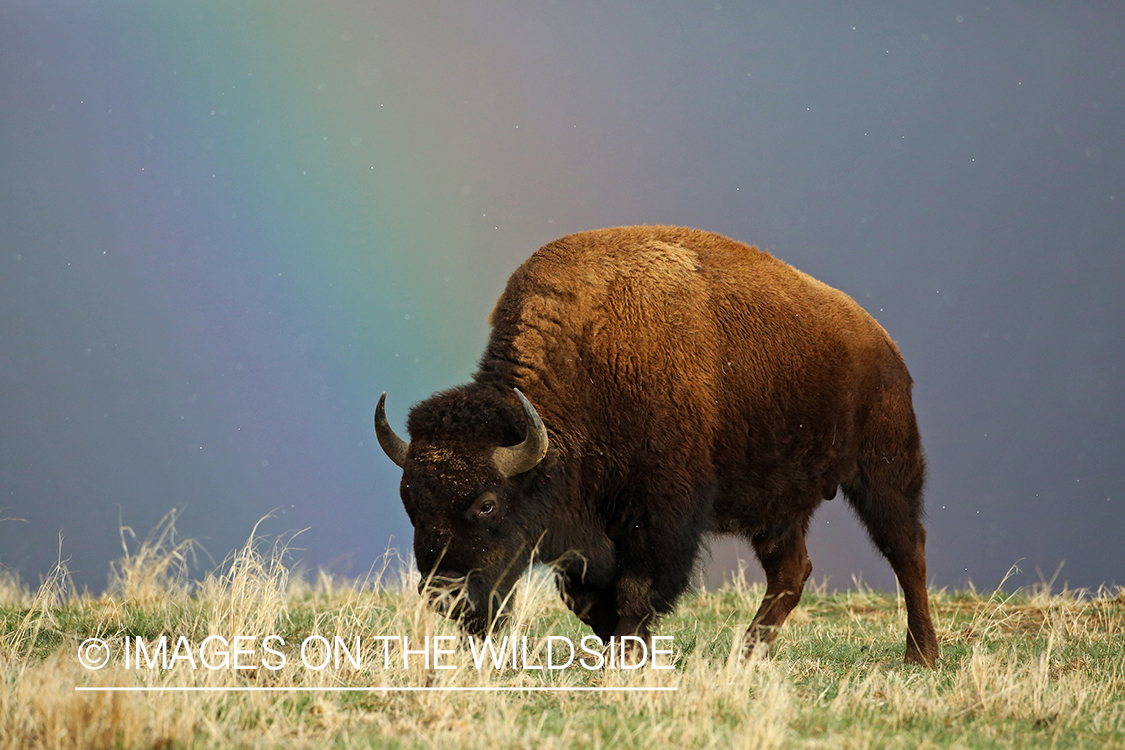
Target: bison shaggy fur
{"x": 686, "y": 384}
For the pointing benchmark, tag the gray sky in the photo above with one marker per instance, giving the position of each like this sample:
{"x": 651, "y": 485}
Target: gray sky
{"x": 227, "y": 229}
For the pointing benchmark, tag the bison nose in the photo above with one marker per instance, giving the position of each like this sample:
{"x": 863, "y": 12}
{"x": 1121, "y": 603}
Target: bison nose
{"x": 439, "y": 585}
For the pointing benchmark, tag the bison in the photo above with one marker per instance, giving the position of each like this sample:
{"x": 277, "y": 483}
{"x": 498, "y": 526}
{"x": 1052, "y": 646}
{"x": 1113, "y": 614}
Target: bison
{"x": 644, "y": 386}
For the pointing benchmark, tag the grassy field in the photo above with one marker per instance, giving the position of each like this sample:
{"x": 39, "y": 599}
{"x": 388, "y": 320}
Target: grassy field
{"x": 1023, "y": 669}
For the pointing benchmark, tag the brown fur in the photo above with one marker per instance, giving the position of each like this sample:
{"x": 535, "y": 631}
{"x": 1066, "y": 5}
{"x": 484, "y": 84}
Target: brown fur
{"x": 688, "y": 383}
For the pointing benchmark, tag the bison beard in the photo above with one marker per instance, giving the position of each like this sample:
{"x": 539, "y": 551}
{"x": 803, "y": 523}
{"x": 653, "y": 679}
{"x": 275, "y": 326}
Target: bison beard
{"x": 677, "y": 383}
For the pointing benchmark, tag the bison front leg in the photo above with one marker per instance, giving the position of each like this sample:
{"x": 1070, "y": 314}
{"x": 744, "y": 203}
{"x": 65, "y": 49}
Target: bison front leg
{"x": 634, "y": 606}
{"x": 622, "y": 609}
{"x": 785, "y": 560}
{"x": 596, "y": 607}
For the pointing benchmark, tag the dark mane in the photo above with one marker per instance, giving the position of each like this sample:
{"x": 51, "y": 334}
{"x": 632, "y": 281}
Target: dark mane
{"x": 468, "y": 412}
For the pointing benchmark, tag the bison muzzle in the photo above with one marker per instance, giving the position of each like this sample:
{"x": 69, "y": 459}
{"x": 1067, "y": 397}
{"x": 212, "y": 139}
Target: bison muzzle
{"x": 644, "y": 386}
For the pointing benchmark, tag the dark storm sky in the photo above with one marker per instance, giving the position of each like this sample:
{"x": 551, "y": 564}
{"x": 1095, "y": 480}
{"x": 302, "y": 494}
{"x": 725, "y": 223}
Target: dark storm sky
{"x": 227, "y": 227}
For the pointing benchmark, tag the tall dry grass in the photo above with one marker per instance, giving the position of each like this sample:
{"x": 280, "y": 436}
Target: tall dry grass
{"x": 1020, "y": 669}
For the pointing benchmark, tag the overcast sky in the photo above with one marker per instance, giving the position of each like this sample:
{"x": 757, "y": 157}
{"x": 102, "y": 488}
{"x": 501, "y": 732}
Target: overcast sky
{"x": 227, "y": 227}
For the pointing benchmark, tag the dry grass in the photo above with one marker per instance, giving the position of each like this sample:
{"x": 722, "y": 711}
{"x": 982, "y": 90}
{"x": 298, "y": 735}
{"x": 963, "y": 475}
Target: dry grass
{"x": 1024, "y": 669}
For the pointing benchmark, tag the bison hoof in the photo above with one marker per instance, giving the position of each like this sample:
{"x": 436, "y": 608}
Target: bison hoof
{"x": 913, "y": 656}
{"x": 754, "y": 650}
{"x": 626, "y": 652}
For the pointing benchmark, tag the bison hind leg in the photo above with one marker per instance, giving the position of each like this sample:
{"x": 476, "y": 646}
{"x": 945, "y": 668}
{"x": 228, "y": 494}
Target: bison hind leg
{"x": 785, "y": 559}
{"x": 886, "y": 495}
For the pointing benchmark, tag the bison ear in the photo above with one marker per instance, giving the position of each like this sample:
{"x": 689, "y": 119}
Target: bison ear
{"x": 527, "y": 455}
{"x": 394, "y": 446}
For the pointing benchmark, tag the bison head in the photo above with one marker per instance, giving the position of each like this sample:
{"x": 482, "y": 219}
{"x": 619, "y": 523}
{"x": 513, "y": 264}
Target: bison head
{"x": 471, "y": 494}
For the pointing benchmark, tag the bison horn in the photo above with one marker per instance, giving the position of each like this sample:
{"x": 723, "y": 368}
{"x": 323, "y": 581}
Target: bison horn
{"x": 528, "y": 454}
{"x": 394, "y": 446}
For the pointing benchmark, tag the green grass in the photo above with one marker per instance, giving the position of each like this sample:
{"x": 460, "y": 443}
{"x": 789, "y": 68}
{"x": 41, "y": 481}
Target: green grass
{"x": 1024, "y": 669}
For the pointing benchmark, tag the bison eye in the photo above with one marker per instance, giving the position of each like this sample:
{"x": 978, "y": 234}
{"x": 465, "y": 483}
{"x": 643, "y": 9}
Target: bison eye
{"x": 485, "y": 505}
